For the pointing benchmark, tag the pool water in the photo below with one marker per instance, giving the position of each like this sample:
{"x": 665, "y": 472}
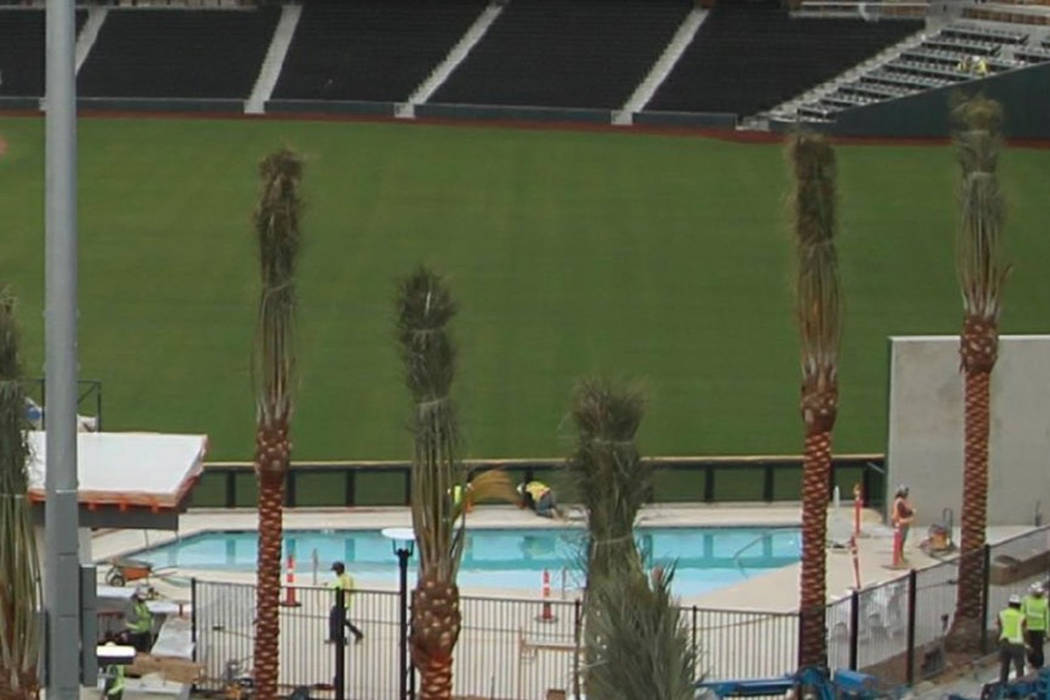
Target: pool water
{"x": 707, "y": 558}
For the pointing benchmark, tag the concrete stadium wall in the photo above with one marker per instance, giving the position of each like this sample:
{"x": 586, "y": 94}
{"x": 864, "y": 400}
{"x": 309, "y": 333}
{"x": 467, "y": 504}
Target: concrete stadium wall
{"x": 925, "y": 441}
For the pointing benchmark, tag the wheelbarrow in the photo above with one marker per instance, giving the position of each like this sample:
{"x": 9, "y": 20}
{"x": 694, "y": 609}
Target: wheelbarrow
{"x": 121, "y": 571}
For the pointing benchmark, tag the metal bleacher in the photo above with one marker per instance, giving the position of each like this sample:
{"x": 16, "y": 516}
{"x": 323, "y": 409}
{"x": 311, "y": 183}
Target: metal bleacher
{"x": 950, "y": 56}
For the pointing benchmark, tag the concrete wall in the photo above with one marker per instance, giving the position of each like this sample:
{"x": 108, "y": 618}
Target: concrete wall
{"x": 925, "y": 441}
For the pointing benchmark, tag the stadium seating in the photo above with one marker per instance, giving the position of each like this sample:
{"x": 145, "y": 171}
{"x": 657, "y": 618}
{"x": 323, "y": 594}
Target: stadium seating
{"x": 565, "y": 53}
{"x": 22, "y": 51}
{"x": 378, "y": 50}
{"x": 749, "y": 57}
{"x": 178, "y": 53}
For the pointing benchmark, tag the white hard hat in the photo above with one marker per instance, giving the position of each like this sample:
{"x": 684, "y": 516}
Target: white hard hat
{"x": 1015, "y": 599}
{"x": 1035, "y": 588}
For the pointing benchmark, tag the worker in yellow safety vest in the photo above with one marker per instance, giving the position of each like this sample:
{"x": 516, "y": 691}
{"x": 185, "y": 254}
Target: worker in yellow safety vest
{"x": 140, "y": 622}
{"x": 538, "y": 496}
{"x": 114, "y": 687}
{"x": 343, "y": 582}
{"x": 1037, "y": 620}
{"x": 1011, "y": 638}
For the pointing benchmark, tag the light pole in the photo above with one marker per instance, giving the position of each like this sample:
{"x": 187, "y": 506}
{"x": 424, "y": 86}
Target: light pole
{"x": 403, "y": 541}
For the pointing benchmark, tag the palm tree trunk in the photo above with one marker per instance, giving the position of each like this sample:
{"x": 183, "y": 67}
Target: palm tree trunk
{"x": 271, "y": 465}
{"x": 816, "y": 469}
{"x": 966, "y": 629}
{"x": 435, "y": 629}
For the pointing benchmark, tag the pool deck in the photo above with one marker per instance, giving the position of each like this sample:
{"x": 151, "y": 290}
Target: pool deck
{"x": 773, "y": 591}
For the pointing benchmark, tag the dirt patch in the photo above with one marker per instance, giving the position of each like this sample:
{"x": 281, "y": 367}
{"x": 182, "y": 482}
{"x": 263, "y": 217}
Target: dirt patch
{"x": 732, "y": 135}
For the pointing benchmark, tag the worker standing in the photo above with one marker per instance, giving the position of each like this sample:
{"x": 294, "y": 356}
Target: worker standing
{"x": 140, "y": 622}
{"x": 345, "y": 583}
{"x": 1037, "y": 620}
{"x": 1011, "y": 639}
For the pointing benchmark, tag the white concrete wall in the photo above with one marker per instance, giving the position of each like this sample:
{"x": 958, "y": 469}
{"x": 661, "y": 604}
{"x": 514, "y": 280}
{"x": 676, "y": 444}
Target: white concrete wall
{"x": 925, "y": 441}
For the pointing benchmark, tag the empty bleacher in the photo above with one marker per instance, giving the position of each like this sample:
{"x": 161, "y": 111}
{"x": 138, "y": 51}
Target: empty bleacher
{"x": 748, "y": 57}
{"x": 378, "y": 50}
{"x": 565, "y": 53}
{"x": 22, "y": 51}
{"x": 178, "y": 53}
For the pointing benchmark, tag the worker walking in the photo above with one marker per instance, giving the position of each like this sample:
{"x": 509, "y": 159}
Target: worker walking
{"x": 1037, "y": 620}
{"x": 140, "y": 622}
{"x": 1011, "y": 639}
{"x": 345, "y": 583}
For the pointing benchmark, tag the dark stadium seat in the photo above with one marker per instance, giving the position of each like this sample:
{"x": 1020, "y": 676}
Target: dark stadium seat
{"x": 565, "y": 53}
{"x": 22, "y": 51}
{"x": 178, "y": 53}
{"x": 749, "y": 57}
{"x": 377, "y": 50}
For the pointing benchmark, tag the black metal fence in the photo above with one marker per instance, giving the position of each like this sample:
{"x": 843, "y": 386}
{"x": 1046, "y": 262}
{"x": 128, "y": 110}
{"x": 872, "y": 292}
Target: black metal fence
{"x": 896, "y": 629}
{"x": 513, "y": 648}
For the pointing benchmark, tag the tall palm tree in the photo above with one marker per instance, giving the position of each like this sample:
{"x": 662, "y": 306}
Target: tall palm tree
{"x": 424, "y": 309}
{"x": 279, "y": 238}
{"x": 813, "y": 202}
{"x": 19, "y": 566}
{"x": 982, "y": 273}
{"x": 636, "y": 646}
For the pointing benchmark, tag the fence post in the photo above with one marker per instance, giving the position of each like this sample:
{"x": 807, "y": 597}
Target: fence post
{"x": 340, "y": 644}
{"x": 193, "y": 617}
{"x": 854, "y": 625}
{"x": 986, "y": 572}
{"x": 695, "y": 655}
{"x": 798, "y": 640}
{"x": 577, "y": 616}
{"x": 912, "y": 594}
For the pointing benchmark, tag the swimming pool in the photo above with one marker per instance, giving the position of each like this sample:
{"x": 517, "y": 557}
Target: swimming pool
{"x": 707, "y": 558}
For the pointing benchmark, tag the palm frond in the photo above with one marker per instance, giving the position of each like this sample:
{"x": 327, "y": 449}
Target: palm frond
{"x": 813, "y": 204}
{"x": 279, "y": 239}
{"x": 980, "y": 262}
{"x": 643, "y": 649}
{"x": 19, "y": 566}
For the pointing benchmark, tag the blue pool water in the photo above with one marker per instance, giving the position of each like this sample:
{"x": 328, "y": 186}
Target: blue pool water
{"x": 707, "y": 558}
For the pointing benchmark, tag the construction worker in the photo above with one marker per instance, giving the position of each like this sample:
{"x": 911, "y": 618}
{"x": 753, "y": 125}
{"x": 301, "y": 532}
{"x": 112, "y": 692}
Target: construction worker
{"x": 114, "y": 687}
{"x": 140, "y": 622}
{"x": 1037, "y": 620}
{"x": 343, "y": 582}
{"x": 981, "y": 67}
{"x": 458, "y": 492}
{"x": 1011, "y": 624}
{"x": 538, "y": 496}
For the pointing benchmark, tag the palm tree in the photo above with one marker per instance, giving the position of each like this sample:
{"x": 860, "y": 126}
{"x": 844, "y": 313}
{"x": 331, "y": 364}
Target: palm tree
{"x": 424, "y": 309}
{"x": 982, "y": 273}
{"x": 813, "y": 201}
{"x": 279, "y": 239}
{"x": 636, "y": 647}
{"x": 19, "y": 566}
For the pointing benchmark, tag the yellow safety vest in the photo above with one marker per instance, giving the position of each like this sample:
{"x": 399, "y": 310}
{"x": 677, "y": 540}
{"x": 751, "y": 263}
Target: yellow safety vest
{"x": 345, "y": 583}
{"x": 536, "y": 489}
{"x": 1036, "y": 613}
{"x": 1011, "y": 619}
{"x": 141, "y": 619}
{"x": 116, "y": 682}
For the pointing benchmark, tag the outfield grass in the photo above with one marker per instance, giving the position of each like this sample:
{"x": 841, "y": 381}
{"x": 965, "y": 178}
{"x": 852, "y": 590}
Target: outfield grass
{"x": 656, "y": 257}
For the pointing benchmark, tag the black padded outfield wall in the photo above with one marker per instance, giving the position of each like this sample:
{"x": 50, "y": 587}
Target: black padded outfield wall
{"x": 1024, "y": 93}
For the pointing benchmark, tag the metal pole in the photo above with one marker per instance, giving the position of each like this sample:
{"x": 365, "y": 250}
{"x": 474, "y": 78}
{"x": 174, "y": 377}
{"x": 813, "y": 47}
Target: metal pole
{"x": 854, "y": 628}
{"x": 402, "y": 563}
{"x": 61, "y": 562}
{"x": 193, "y": 617}
{"x": 912, "y": 593}
{"x": 340, "y": 645}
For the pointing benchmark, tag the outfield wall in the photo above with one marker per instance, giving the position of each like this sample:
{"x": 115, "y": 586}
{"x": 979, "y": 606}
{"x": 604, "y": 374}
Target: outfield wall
{"x": 925, "y": 442}
{"x": 1025, "y": 93}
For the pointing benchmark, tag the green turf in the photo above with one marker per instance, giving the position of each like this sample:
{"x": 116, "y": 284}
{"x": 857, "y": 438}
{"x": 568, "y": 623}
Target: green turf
{"x": 662, "y": 258}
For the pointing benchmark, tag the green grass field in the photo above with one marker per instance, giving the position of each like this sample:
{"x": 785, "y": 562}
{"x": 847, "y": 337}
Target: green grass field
{"x": 661, "y": 258}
